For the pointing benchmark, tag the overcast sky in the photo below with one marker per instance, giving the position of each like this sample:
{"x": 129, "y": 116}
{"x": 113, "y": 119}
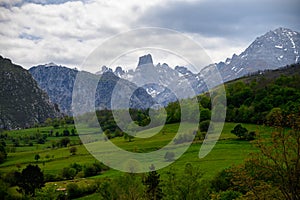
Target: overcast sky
{"x": 65, "y": 32}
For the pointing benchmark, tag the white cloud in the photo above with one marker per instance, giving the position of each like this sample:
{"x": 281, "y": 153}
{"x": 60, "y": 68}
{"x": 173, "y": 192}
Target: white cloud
{"x": 67, "y": 32}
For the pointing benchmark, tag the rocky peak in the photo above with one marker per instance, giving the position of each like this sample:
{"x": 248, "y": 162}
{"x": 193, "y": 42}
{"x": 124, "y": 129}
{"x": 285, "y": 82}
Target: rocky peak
{"x": 145, "y": 60}
{"x": 183, "y": 70}
{"x": 119, "y": 71}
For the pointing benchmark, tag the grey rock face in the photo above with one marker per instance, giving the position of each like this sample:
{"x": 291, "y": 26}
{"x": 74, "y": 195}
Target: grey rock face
{"x": 22, "y": 102}
{"x": 58, "y": 82}
{"x": 274, "y": 49}
{"x": 144, "y": 60}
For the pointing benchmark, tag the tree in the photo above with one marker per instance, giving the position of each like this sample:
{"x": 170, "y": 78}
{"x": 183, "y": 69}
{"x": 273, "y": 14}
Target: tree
{"x": 204, "y": 125}
{"x": 239, "y": 131}
{"x": 73, "y": 150}
{"x": 30, "y": 179}
{"x": 185, "y": 185}
{"x": 274, "y": 171}
{"x": 3, "y": 154}
{"x": 65, "y": 141}
{"x": 73, "y": 190}
{"x": 153, "y": 189}
{"x": 37, "y": 157}
{"x": 128, "y": 137}
{"x": 3, "y": 190}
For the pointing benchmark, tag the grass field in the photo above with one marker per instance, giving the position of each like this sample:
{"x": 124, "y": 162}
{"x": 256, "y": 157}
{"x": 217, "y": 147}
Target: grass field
{"x": 227, "y": 152}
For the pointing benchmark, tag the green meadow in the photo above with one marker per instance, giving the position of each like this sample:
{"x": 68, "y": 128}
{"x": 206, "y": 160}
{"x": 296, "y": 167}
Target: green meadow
{"x": 229, "y": 150}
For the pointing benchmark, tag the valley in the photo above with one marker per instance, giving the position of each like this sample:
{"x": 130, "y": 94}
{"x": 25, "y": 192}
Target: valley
{"x": 50, "y": 151}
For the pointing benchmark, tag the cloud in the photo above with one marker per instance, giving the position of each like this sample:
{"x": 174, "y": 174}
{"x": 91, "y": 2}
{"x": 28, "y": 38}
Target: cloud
{"x": 66, "y": 32}
{"x": 225, "y": 18}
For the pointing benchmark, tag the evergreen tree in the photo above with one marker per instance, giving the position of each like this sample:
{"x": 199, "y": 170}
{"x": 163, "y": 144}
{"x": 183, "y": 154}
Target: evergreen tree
{"x": 153, "y": 189}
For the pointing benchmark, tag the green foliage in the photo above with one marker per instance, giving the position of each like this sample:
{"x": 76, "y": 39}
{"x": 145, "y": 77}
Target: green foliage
{"x": 3, "y": 190}
{"x": 127, "y": 186}
{"x": 169, "y": 156}
{"x": 240, "y": 131}
{"x": 37, "y": 157}
{"x": 229, "y": 195}
{"x": 186, "y": 185}
{"x": 3, "y": 154}
{"x": 187, "y": 137}
{"x": 273, "y": 172}
{"x": 252, "y": 99}
{"x": 204, "y": 125}
{"x": 205, "y": 114}
{"x": 73, "y": 190}
{"x": 222, "y": 181}
{"x": 65, "y": 141}
{"x": 30, "y": 179}
{"x": 128, "y": 137}
{"x": 73, "y": 150}
{"x": 153, "y": 188}
{"x": 93, "y": 169}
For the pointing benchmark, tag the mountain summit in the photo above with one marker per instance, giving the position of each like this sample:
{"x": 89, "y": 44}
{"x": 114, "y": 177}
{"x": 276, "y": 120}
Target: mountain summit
{"x": 144, "y": 60}
{"x": 274, "y": 49}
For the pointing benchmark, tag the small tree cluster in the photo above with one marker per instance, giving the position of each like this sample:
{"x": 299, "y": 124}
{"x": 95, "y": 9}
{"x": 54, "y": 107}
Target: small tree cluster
{"x": 243, "y": 133}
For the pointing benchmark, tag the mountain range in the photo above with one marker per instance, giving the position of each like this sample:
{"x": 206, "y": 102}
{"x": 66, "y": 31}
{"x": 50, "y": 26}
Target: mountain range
{"x": 23, "y": 103}
{"x": 272, "y": 50}
{"x": 58, "y": 82}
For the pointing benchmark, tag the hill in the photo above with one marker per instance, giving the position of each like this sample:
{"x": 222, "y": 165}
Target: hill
{"x": 22, "y": 102}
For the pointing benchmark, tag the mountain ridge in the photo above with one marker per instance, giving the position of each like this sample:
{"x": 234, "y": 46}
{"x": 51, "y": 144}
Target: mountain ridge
{"x": 23, "y": 103}
{"x": 274, "y": 49}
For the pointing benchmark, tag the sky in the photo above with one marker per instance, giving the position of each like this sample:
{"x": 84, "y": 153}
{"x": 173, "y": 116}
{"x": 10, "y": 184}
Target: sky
{"x": 65, "y": 32}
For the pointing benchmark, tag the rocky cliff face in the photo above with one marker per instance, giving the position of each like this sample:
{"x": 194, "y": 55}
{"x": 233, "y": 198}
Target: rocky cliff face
{"x": 274, "y": 49}
{"x": 58, "y": 82}
{"x": 22, "y": 102}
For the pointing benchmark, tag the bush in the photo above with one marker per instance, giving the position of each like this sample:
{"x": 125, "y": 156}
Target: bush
{"x": 204, "y": 125}
{"x": 41, "y": 141}
{"x": 89, "y": 170}
{"x": 73, "y": 190}
{"x": 68, "y": 173}
{"x": 65, "y": 141}
{"x": 169, "y": 156}
{"x": 183, "y": 138}
{"x": 73, "y": 150}
{"x": 239, "y": 131}
{"x": 229, "y": 194}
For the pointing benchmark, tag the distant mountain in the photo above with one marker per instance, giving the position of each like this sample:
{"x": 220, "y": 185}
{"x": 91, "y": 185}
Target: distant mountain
{"x": 22, "y": 102}
{"x": 58, "y": 82}
{"x": 274, "y": 49}
{"x": 163, "y": 83}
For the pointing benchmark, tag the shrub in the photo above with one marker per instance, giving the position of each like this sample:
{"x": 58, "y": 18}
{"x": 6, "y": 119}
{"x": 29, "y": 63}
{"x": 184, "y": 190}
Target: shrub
{"x": 169, "y": 156}
{"x": 73, "y": 190}
{"x": 204, "y": 125}
{"x": 73, "y": 150}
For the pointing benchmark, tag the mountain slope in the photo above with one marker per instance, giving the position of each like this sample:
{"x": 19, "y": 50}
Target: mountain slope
{"x": 272, "y": 50}
{"x": 22, "y": 102}
{"x": 59, "y": 81}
